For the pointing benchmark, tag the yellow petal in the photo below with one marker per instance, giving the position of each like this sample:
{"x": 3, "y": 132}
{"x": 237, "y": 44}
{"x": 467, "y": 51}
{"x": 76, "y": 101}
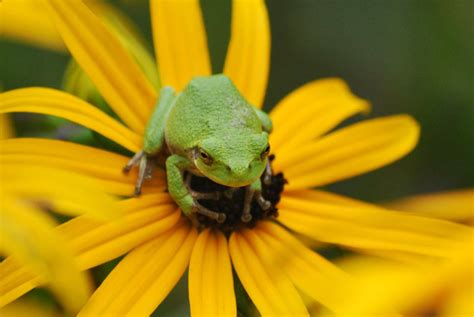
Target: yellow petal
{"x": 370, "y": 227}
{"x": 321, "y": 196}
{"x": 346, "y": 209}
{"x": 6, "y": 127}
{"x": 211, "y": 286}
{"x": 456, "y": 205}
{"x": 28, "y": 21}
{"x": 140, "y": 282}
{"x": 408, "y": 289}
{"x": 106, "y": 61}
{"x": 31, "y": 308}
{"x": 267, "y": 285}
{"x": 57, "y": 103}
{"x": 348, "y": 152}
{"x": 311, "y": 273}
{"x": 311, "y": 111}
{"x": 96, "y": 242}
{"x": 115, "y": 241}
{"x": 52, "y": 187}
{"x": 28, "y": 235}
{"x": 129, "y": 35}
{"x": 103, "y": 166}
{"x": 460, "y": 302}
{"x": 180, "y": 41}
{"x": 248, "y": 55}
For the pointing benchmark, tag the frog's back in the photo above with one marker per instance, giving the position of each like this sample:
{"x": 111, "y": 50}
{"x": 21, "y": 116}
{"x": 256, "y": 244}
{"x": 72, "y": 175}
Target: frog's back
{"x": 209, "y": 106}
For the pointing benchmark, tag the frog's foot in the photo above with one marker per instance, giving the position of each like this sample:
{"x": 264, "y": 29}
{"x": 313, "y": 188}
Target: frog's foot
{"x": 249, "y": 196}
{"x": 144, "y": 170}
{"x": 134, "y": 161}
{"x": 200, "y": 209}
{"x": 267, "y": 174}
{"x": 246, "y": 215}
{"x": 262, "y": 202}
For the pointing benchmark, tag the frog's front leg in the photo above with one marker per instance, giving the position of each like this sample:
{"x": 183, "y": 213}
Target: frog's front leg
{"x": 144, "y": 169}
{"x": 175, "y": 167}
{"x": 154, "y": 138}
{"x": 253, "y": 191}
{"x": 265, "y": 120}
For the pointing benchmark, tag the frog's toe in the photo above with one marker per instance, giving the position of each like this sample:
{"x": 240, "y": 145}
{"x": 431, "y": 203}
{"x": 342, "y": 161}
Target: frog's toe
{"x": 133, "y": 161}
{"x": 246, "y": 217}
{"x": 221, "y": 218}
{"x": 217, "y": 216}
{"x": 262, "y": 202}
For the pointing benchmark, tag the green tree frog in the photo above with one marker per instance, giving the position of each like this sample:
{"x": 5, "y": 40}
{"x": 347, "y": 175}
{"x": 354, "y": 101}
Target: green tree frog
{"x": 208, "y": 130}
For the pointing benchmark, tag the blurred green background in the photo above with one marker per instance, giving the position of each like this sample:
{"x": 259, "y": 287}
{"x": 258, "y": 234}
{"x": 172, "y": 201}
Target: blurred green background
{"x": 404, "y": 56}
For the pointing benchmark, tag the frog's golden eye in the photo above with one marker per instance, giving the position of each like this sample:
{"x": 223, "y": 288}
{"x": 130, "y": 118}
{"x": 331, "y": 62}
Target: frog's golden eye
{"x": 206, "y": 158}
{"x": 265, "y": 152}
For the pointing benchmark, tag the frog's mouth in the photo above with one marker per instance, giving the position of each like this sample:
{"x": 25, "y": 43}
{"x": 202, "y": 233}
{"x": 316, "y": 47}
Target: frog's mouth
{"x": 231, "y": 202}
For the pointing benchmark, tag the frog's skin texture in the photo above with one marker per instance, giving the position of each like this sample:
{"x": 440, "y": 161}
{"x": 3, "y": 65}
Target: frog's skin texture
{"x": 212, "y": 131}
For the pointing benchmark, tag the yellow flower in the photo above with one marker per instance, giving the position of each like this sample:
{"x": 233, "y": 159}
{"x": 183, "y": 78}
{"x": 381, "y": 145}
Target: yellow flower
{"x": 272, "y": 264}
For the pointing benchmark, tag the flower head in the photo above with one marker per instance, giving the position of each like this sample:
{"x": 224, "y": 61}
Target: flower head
{"x": 159, "y": 242}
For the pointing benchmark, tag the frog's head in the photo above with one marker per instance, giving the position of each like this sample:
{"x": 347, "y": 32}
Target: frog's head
{"x": 234, "y": 161}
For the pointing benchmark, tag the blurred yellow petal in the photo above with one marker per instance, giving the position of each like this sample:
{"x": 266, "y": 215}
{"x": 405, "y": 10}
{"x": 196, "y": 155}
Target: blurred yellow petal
{"x": 96, "y": 242}
{"x": 6, "y": 127}
{"x": 385, "y": 286}
{"x": 398, "y": 256}
{"x": 456, "y": 205}
{"x": 16, "y": 280}
{"x": 140, "y": 282}
{"x": 311, "y": 273}
{"x": 28, "y": 234}
{"x": 248, "y": 55}
{"x": 266, "y": 283}
{"x": 31, "y": 308}
{"x": 460, "y": 302}
{"x": 370, "y": 228}
{"x": 211, "y": 286}
{"x": 180, "y": 41}
{"x": 105, "y": 60}
{"x": 311, "y": 111}
{"x": 60, "y": 104}
{"x": 129, "y": 35}
{"x": 103, "y": 166}
{"x": 354, "y": 150}
{"x": 52, "y": 187}
{"x": 28, "y": 21}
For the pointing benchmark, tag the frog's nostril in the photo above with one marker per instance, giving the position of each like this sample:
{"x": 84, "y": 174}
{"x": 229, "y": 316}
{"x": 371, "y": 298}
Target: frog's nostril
{"x": 228, "y": 168}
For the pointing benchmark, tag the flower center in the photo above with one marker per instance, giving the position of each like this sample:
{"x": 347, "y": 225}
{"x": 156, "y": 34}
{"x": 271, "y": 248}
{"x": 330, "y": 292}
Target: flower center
{"x": 231, "y": 202}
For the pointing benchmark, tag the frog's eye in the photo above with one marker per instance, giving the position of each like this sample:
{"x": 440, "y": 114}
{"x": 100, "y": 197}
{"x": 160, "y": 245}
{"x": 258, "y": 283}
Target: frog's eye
{"x": 265, "y": 152}
{"x": 206, "y": 158}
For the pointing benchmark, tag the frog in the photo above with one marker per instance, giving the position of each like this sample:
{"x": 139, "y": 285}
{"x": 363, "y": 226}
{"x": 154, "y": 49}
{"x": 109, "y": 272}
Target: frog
{"x": 208, "y": 130}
